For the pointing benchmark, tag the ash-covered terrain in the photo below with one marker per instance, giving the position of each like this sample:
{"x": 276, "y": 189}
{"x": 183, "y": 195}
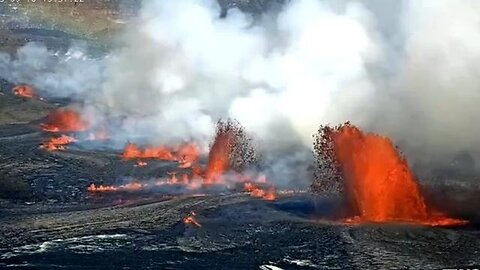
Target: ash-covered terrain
{"x": 50, "y": 220}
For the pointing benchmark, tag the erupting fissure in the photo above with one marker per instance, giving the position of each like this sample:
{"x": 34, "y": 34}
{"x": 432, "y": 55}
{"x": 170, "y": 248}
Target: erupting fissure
{"x": 229, "y": 153}
{"x": 378, "y": 184}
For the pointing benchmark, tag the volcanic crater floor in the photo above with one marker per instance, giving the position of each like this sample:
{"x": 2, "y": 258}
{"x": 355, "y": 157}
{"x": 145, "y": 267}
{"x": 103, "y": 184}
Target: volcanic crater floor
{"x": 48, "y": 219}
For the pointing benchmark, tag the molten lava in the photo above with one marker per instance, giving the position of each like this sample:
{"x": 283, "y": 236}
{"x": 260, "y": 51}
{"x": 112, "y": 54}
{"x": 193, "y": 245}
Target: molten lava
{"x": 24, "y": 91}
{"x": 64, "y": 120}
{"x": 132, "y": 151}
{"x": 255, "y": 190}
{"x": 58, "y": 143}
{"x": 190, "y": 219}
{"x": 378, "y": 182}
{"x": 188, "y": 155}
{"x": 219, "y": 157}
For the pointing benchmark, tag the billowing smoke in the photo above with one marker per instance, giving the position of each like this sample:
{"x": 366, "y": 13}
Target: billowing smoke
{"x": 60, "y": 74}
{"x": 181, "y": 67}
{"x": 432, "y": 104}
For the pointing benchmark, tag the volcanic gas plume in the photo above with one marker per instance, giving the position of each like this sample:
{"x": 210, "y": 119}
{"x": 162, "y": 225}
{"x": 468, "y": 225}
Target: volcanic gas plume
{"x": 64, "y": 120}
{"x": 377, "y": 182}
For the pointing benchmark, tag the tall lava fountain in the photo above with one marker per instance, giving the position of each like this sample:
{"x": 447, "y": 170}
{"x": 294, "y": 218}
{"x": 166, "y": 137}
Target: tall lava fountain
{"x": 377, "y": 183}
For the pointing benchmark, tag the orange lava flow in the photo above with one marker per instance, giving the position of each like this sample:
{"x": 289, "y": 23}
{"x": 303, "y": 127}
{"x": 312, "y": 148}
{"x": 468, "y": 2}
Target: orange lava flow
{"x": 255, "y": 190}
{"x": 219, "y": 158}
{"x": 23, "y": 91}
{"x": 64, "y": 120}
{"x": 54, "y": 144}
{"x": 190, "y": 219}
{"x": 132, "y": 151}
{"x": 378, "y": 182}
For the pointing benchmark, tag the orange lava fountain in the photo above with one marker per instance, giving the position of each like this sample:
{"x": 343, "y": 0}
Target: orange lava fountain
{"x": 378, "y": 181}
{"x": 23, "y": 91}
{"x": 219, "y": 157}
{"x": 64, "y": 120}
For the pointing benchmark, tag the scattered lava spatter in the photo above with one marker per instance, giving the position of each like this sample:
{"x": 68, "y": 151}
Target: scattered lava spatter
{"x": 64, "y": 120}
{"x": 378, "y": 183}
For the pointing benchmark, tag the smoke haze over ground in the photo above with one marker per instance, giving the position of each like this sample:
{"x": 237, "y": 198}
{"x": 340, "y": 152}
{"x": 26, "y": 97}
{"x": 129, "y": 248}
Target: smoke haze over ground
{"x": 405, "y": 69}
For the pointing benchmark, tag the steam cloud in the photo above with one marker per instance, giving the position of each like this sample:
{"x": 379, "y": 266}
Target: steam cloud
{"x": 412, "y": 75}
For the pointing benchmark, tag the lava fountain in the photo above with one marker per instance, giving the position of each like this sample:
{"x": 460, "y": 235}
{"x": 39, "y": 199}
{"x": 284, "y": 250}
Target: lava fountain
{"x": 219, "y": 157}
{"x": 377, "y": 181}
{"x": 64, "y": 120}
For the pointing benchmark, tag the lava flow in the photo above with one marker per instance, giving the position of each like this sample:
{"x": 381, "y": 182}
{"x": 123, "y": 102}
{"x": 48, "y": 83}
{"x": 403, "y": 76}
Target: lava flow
{"x": 132, "y": 151}
{"x": 24, "y": 91}
{"x": 377, "y": 180}
{"x": 58, "y": 143}
{"x": 229, "y": 135}
{"x": 64, "y": 120}
{"x": 255, "y": 190}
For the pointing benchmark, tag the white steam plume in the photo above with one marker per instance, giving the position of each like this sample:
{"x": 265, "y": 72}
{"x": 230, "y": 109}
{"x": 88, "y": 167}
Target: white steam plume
{"x": 183, "y": 67}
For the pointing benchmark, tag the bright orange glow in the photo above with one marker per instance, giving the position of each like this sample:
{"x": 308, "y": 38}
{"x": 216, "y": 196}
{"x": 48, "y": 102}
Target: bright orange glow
{"x": 378, "y": 182}
{"x": 190, "y": 219}
{"x": 255, "y": 190}
{"x": 132, "y": 151}
{"x": 54, "y": 144}
{"x": 219, "y": 157}
{"x": 187, "y": 155}
{"x": 24, "y": 91}
{"x": 64, "y": 120}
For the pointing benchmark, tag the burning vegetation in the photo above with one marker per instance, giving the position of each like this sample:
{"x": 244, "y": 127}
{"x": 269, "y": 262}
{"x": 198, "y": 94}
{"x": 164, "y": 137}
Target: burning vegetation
{"x": 373, "y": 177}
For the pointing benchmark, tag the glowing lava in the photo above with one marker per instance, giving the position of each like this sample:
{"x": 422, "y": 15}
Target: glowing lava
{"x": 23, "y": 91}
{"x": 255, "y": 190}
{"x": 54, "y": 144}
{"x": 219, "y": 157}
{"x": 132, "y": 151}
{"x": 64, "y": 120}
{"x": 188, "y": 155}
{"x": 378, "y": 181}
{"x": 190, "y": 219}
